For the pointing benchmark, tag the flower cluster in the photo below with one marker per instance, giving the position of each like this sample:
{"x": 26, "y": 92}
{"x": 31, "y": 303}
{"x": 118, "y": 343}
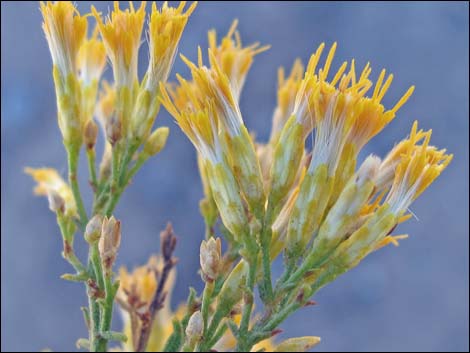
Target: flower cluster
{"x": 322, "y": 207}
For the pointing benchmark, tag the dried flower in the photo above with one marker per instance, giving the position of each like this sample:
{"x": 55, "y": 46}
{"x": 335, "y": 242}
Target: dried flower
{"x": 109, "y": 242}
{"x": 210, "y": 256}
{"x": 91, "y": 134}
{"x": 93, "y": 229}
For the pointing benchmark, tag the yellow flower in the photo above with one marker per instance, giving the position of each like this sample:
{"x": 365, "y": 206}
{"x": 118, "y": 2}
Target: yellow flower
{"x": 49, "y": 180}
{"x": 415, "y": 172}
{"x": 122, "y": 36}
{"x": 233, "y": 59}
{"x": 165, "y": 29}
{"x": 65, "y": 31}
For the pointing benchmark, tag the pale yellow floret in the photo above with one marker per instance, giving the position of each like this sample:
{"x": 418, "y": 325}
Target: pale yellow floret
{"x": 91, "y": 59}
{"x": 65, "y": 31}
{"x": 48, "y": 179}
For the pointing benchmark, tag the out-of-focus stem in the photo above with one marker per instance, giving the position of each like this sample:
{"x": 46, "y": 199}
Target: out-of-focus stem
{"x": 73, "y": 152}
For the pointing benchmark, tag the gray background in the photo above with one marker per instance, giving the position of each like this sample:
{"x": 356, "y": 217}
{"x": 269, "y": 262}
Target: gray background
{"x": 411, "y": 298}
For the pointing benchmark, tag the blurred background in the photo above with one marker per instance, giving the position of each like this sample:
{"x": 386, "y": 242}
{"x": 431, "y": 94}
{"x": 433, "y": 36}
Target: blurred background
{"x": 412, "y": 298}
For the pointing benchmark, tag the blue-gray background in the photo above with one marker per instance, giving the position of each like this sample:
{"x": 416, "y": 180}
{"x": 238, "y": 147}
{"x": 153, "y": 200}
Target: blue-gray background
{"x": 411, "y": 298}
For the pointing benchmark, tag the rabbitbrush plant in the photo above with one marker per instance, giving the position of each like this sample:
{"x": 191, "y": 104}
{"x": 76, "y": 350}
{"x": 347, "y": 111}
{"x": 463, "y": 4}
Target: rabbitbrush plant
{"x": 321, "y": 209}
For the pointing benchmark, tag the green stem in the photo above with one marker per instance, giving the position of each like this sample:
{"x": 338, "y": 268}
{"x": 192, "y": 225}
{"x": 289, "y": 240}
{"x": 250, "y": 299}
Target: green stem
{"x": 67, "y": 238}
{"x": 94, "y": 309}
{"x": 266, "y": 290}
{"x": 243, "y": 345}
{"x": 97, "y": 267}
{"x": 206, "y": 301}
{"x": 91, "y": 158}
{"x": 73, "y": 152}
{"x": 107, "y": 314}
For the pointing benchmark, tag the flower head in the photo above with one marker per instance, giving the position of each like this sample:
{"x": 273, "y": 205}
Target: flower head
{"x": 121, "y": 35}
{"x": 65, "y": 31}
{"x": 49, "y": 180}
{"x": 417, "y": 169}
{"x": 165, "y": 29}
{"x": 233, "y": 59}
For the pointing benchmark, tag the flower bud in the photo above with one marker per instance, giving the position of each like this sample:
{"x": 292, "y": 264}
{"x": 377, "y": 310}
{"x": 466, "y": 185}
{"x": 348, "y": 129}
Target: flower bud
{"x": 344, "y": 214}
{"x": 90, "y": 134}
{"x": 308, "y": 210}
{"x": 298, "y": 344}
{"x": 56, "y": 202}
{"x": 286, "y": 159}
{"x": 156, "y": 141}
{"x": 233, "y": 289}
{"x": 211, "y": 258}
{"x": 113, "y": 130}
{"x": 93, "y": 229}
{"x": 195, "y": 327}
{"x": 247, "y": 170}
{"x": 227, "y": 198}
{"x": 109, "y": 242}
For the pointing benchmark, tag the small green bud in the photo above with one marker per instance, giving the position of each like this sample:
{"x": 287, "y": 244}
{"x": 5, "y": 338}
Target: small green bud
{"x": 156, "y": 141}
{"x": 233, "y": 289}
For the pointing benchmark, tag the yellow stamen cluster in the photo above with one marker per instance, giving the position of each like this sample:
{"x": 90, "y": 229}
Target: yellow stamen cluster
{"x": 49, "y": 181}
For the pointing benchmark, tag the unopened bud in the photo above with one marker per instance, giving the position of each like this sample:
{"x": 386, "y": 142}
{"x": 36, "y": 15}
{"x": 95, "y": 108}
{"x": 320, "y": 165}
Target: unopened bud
{"x": 93, "y": 229}
{"x": 56, "y": 202}
{"x": 211, "y": 258}
{"x": 156, "y": 141}
{"x": 91, "y": 134}
{"x": 298, "y": 344}
{"x": 195, "y": 327}
{"x": 113, "y": 130}
{"x": 109, "y": 242}
{"x": 286, "y": 159}
{"x": 233, "y": 288}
